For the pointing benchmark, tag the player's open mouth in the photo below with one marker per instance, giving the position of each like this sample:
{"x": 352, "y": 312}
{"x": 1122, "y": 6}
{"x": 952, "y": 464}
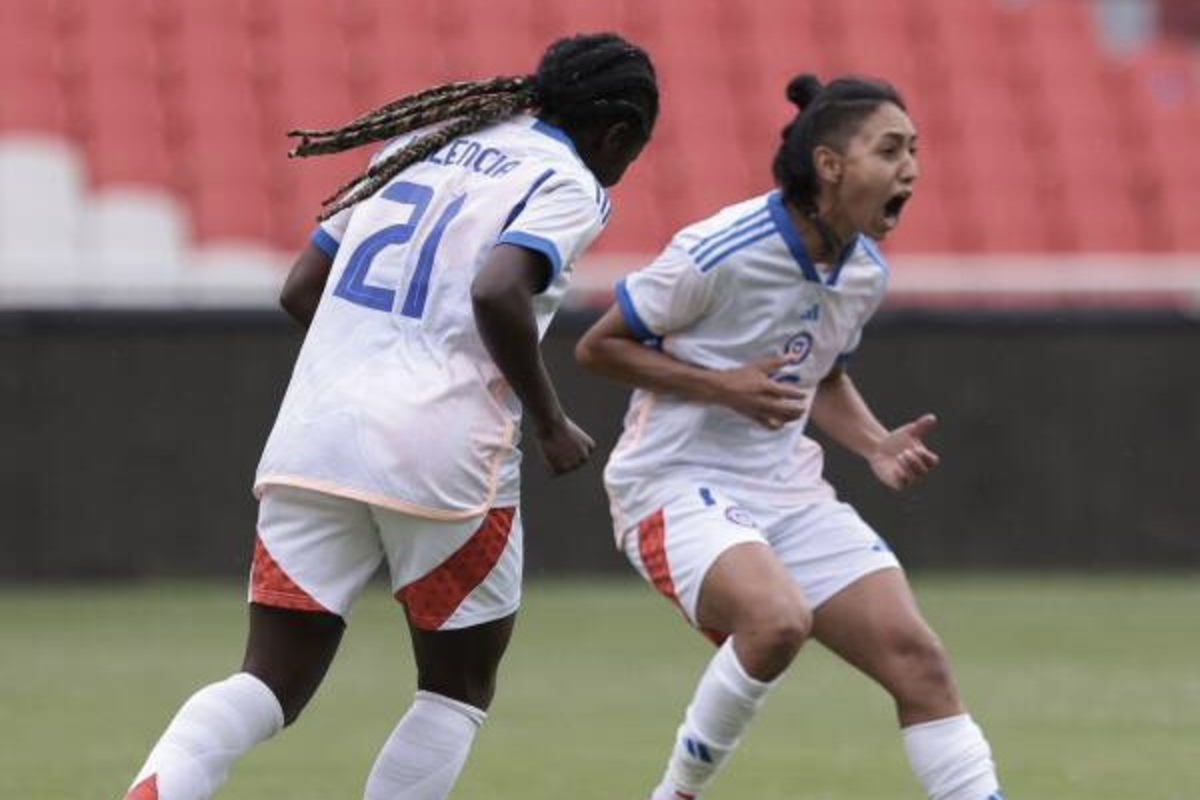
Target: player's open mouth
{"x": 893, "y": 207}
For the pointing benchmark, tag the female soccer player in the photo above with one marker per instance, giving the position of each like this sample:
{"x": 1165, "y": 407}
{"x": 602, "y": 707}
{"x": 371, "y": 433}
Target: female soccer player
{"x": 426, "y": 290}
{"x": 735, "y": 337}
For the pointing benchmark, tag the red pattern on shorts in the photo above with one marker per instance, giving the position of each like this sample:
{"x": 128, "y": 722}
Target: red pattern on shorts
{"x": 433, "y": 599}
{"x": 271, "y": 586}
{"x": 652, "y": 545}
{"x": 652, "y": 535}
{"x": 146, "y": 790}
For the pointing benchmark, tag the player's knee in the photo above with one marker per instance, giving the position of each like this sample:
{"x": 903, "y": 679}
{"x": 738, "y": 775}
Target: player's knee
{"x": 780, "y": 628}
{"x": 291, "y": 700}
{"x": 921, "y": 667}
{"x": 292, "y": 694}
{"x": 475, "y": 687}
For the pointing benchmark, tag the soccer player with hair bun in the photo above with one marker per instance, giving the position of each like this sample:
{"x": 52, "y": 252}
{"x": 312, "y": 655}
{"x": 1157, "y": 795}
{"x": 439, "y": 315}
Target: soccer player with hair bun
{"x": 426, "y": 290}
{"x": 735, "y": 339}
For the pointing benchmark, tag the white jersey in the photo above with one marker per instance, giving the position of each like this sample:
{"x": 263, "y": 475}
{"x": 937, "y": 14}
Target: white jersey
{"x": 733, "y": 289}
{"x": 394, "y": 399}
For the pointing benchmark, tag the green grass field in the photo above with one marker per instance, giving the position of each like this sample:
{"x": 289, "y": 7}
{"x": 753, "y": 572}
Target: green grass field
{"x": 1089, "y": 689}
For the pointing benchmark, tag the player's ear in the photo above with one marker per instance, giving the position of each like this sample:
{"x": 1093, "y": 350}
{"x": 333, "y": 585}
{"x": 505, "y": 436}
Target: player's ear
{"x": 620, "y": 136}
{"x": 828, "y": 164}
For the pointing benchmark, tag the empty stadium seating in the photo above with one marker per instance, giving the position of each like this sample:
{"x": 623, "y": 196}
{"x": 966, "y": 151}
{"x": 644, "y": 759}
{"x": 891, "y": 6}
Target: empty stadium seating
{"x": 1035, "y": 139}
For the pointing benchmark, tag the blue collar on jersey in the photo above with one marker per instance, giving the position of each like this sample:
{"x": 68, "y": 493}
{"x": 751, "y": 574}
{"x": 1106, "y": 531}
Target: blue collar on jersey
{"x": 795, "y": 243}
{"x": 554, "y": 132}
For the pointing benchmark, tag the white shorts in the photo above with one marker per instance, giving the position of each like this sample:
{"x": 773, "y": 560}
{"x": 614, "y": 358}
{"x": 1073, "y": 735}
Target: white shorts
{"x": 316, "y": 552}
{"x": 825, "y": 546}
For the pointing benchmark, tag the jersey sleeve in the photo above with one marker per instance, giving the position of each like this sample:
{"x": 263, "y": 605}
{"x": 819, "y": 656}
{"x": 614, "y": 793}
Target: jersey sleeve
{"x": 329, "y": 232}
{"x": 669, "y": 295}
{"x": 559, "y": 219}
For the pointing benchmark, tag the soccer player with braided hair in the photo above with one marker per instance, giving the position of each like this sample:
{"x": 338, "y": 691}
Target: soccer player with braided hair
{"x": 426, "y": 289}
{"x": 717, "y": 493}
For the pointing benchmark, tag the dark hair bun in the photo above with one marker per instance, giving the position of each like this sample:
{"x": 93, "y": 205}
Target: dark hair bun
{"x": 803, "y": 89}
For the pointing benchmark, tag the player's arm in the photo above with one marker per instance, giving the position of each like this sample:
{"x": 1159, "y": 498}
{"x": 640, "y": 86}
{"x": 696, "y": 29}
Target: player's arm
{"x": 612, "y": 349}
{"x": 305, "y": 284}
{"x": 502, "y": 298}
{"x": 898, "y": 457}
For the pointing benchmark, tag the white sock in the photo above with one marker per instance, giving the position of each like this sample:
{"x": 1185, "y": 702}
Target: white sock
{"x": 214, "y": 728}
{"x": 423, "y": 756}
{"x": 725, "y": 702}
{"x": 952, "y": 760}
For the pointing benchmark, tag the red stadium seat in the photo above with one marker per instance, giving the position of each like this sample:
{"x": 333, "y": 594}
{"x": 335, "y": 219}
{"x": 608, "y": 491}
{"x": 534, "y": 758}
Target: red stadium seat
{"x": 201, "y": 18}
{"x": 1033, "y": 136}
{"x": 1180, "y": 211}
{"x": 324, "y": 101}
{"x": 32, "y": 104}
{"x": 961, "y": 38}
{"x": 1166, "y": 103}
{"x": 485, "y": 39}
{"x": 645, "y": 209}
{"x": 697, "y": 23}
{"x": 32, "y": 97}
{"x": 116, "y": 158}
{"x": 301, "y": 186}
{"x": 1016, "y": 220}
{"x": 404, "y": 51}
{"x": 927, "y": 224}
{"x": 238, "y": 213}
{"x": 570, "y": 18}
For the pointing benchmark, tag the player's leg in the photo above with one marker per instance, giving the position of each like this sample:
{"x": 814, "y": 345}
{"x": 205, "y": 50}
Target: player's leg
{"x": 704, "y": 554}
{"x": 873, "y": 623}
{"x": 312, "y": 557}
{"x": 290, "y": 651}
{"x": 460, "y": 586}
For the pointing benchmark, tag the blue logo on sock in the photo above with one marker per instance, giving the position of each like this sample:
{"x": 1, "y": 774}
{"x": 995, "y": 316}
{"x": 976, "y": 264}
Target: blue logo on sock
{"x": 698, "y": 750}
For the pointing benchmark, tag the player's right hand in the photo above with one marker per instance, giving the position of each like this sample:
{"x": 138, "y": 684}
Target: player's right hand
{"x": 565, "y": 446}
{"x": 751, "y": 392}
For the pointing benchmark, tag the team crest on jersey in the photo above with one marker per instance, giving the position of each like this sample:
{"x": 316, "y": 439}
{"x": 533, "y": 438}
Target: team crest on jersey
{"x": 740, "y": 516}
{"x": 799, "y": 346}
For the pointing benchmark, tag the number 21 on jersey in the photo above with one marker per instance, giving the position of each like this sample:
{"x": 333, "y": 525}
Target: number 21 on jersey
{"x": 353, "y": 285}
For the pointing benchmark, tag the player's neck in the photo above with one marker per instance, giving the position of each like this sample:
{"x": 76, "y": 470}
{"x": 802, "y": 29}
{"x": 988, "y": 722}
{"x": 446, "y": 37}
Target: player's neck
{"x": 823, "y": 237}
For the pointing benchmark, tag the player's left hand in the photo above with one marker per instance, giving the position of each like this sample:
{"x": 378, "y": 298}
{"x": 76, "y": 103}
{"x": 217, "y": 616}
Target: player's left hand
{"x": 901, "y": 458}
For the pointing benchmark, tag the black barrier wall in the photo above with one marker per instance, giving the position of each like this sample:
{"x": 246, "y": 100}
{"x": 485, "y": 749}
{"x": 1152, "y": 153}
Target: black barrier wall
{"x": 128, "y": 442}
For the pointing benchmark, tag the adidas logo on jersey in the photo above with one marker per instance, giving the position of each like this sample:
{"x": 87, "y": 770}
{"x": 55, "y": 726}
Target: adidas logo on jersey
{"x": 813, "y": 314}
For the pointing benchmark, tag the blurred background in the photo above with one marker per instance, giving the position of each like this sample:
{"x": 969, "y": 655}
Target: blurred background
{"x": 1045, "y": 282}
{"x": 1044, "y": 302}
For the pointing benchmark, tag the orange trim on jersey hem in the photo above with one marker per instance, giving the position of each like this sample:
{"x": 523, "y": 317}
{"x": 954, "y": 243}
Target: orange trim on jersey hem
{"x": 271, "y": 586}
{"x": 377, "y": 499}
{"x": 146, "y": 790}
{"x": 433, "y": 599}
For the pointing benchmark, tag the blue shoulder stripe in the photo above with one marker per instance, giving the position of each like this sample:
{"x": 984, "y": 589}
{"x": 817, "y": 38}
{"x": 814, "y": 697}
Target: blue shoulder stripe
{"x": 519, "y": 207}
{"x": 754, "y": 226}
{"x": 714, "y": 239}
{"x": 750, "y": 237}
